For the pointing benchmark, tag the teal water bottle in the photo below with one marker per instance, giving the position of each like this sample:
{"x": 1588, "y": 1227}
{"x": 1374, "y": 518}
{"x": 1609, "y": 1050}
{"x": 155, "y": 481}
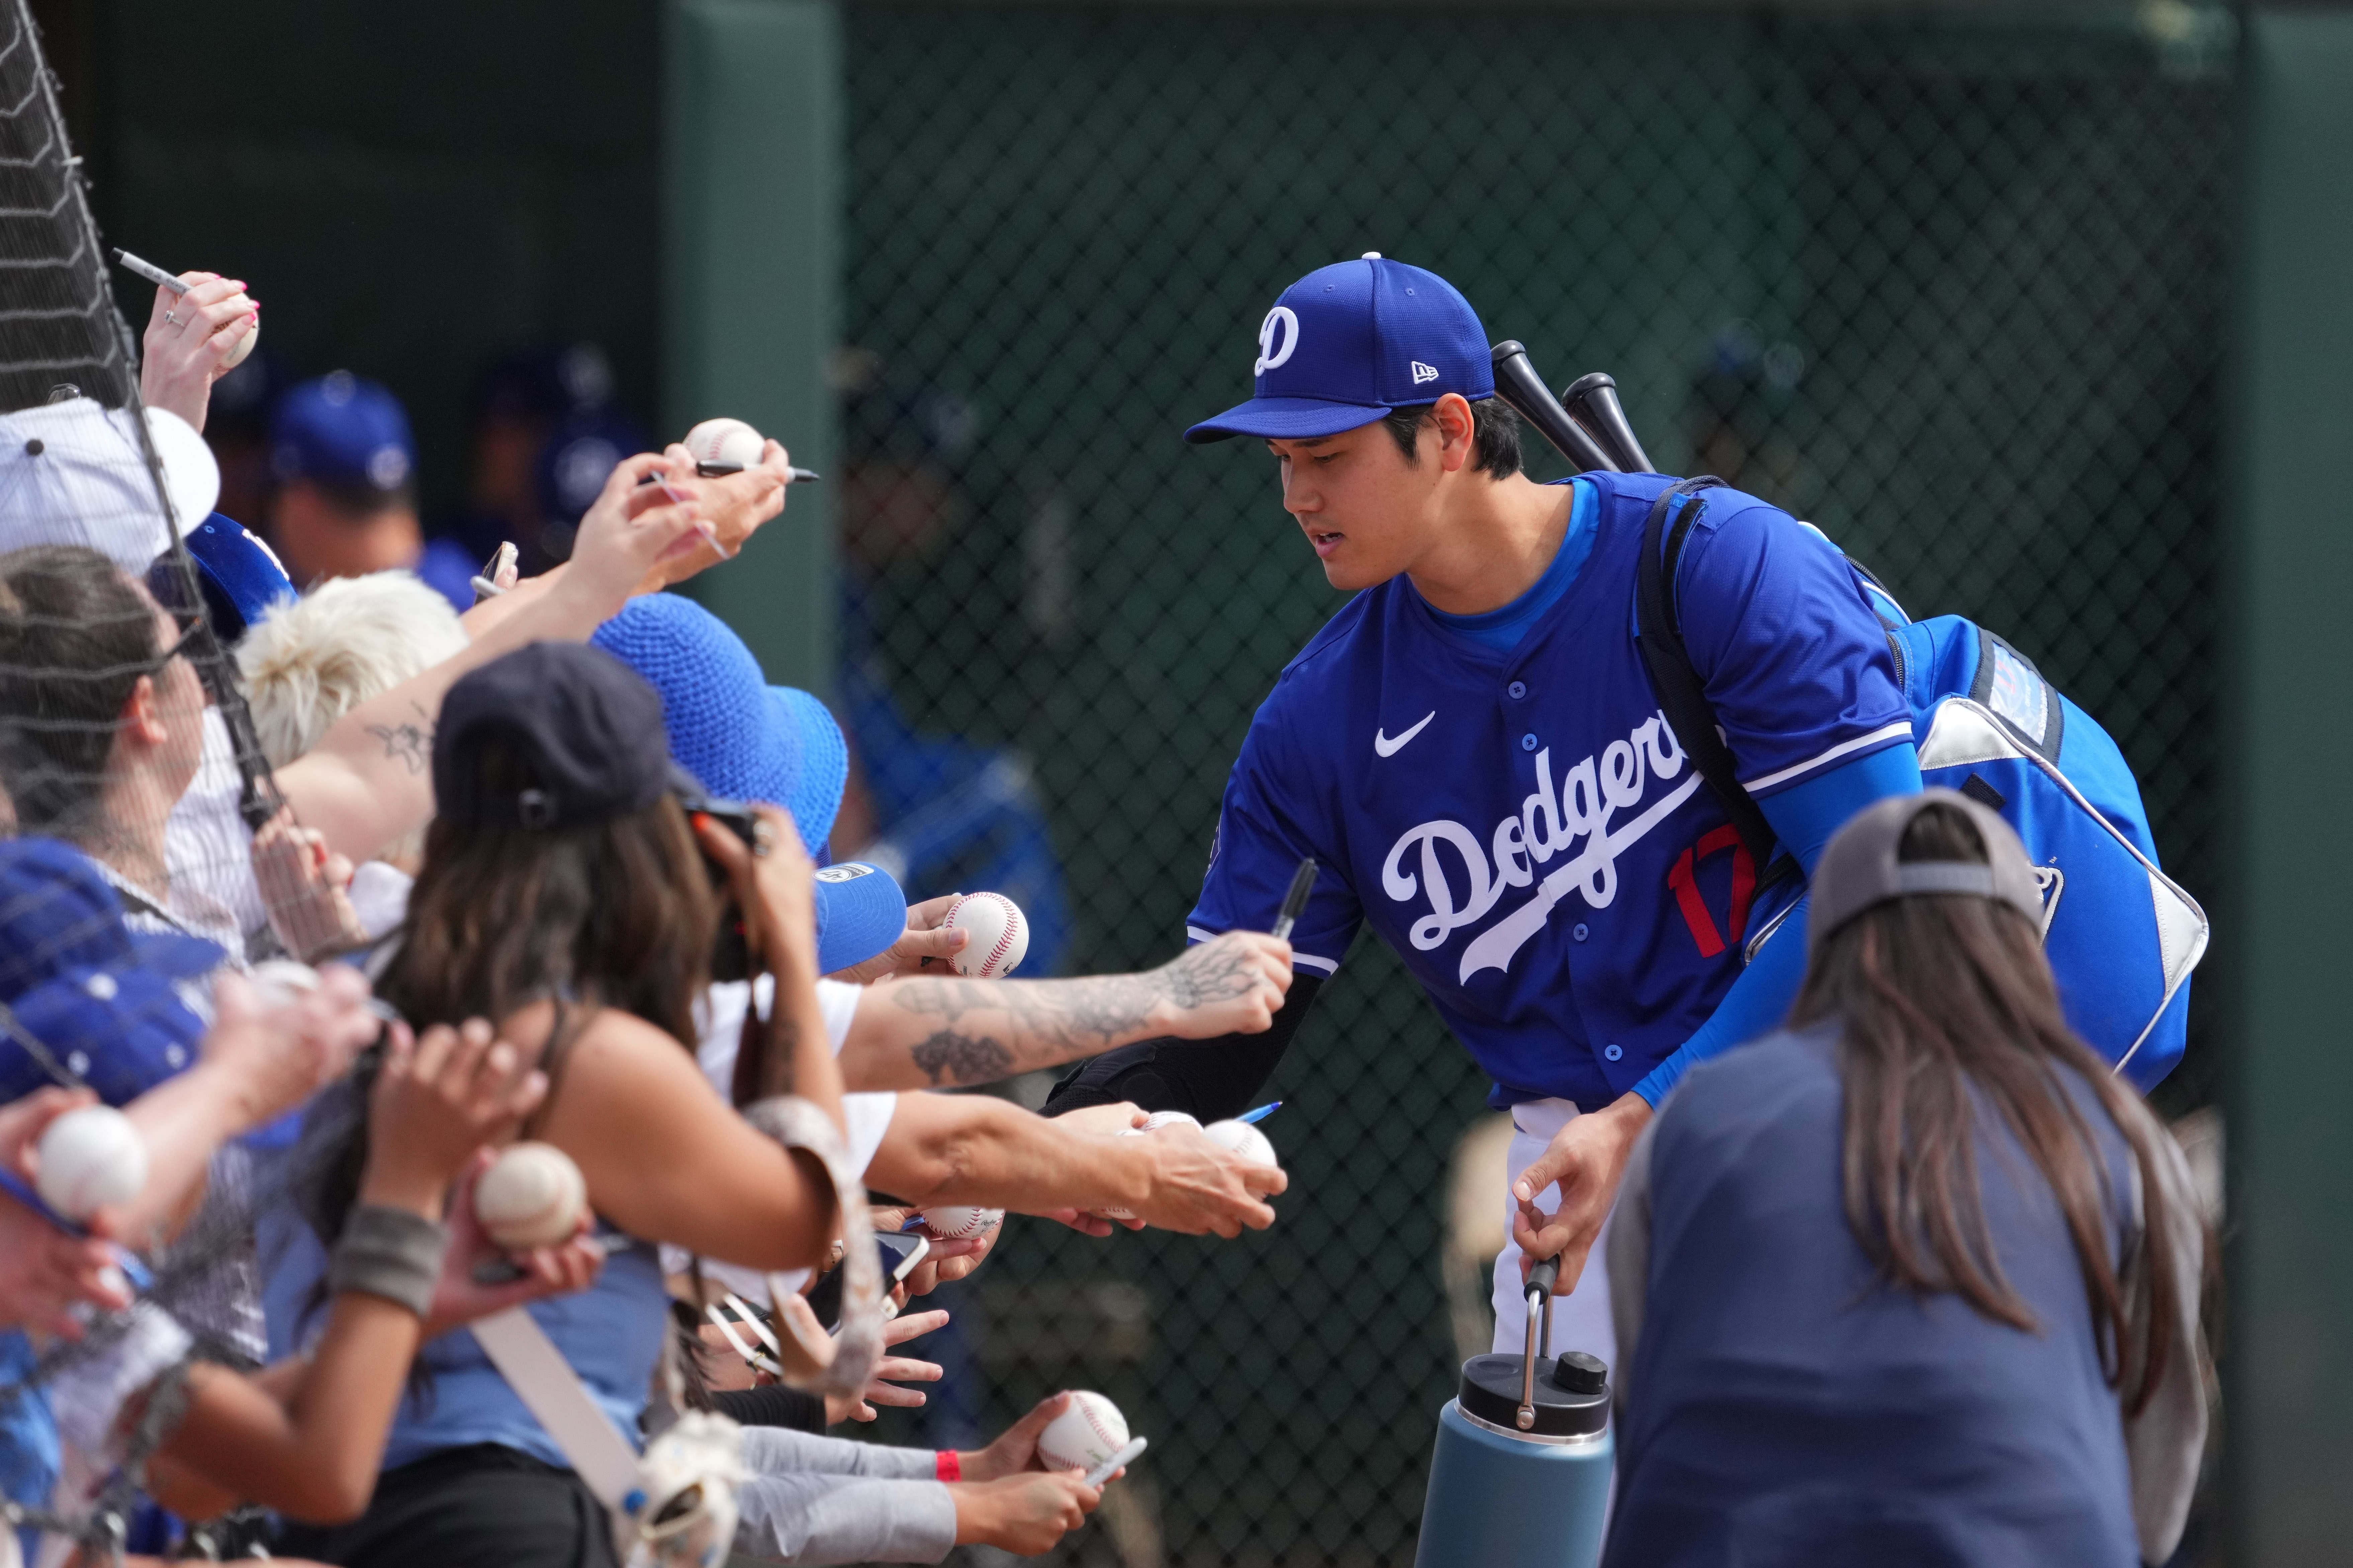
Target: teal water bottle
{"x": 1520, "y": 1474}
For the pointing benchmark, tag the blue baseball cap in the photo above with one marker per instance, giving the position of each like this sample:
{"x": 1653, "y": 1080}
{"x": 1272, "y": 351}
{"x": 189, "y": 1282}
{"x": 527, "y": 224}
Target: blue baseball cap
{"x": 238, "y": 576}
{"x": 342, "y": 430}
{"x": 860, "y": 910}
{"x": 102, "y": 1000}
{"x": 742, "y": 738}
{"x": 1353, "y": 342}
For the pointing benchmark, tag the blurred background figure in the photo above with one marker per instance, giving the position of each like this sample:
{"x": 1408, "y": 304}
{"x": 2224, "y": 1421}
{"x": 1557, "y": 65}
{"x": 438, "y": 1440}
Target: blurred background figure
{"x": 1738, "y": 411}
{"x": 939, "y": 811}
{"x": 345, "y": 500}
{"x": 524, "y": 461}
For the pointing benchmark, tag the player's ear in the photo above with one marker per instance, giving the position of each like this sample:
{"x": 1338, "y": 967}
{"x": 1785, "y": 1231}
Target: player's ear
{"x": 1457, "y": 433}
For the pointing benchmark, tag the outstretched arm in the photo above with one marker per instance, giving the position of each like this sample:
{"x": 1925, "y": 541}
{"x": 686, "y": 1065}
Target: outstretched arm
{"x": 1207, "y": 1079}
{"x": 930, "y": 1033}
{"x": 970, "y": 1149}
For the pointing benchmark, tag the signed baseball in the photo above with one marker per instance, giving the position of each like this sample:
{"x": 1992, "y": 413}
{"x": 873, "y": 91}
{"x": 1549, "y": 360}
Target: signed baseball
{"x": 1000, "y": 935}
{"x": 530, "y": 1196}
{"x": 1083, "y": 1436}
{"x": 724, "y": 444}
{"x": 1243, "y": 1139}
{"x": 961, "y": 1222}
{"x": 90, "y": 1158}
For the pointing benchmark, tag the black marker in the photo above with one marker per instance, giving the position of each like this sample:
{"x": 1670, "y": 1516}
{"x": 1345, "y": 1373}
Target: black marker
{"x": 1295, "y": 903}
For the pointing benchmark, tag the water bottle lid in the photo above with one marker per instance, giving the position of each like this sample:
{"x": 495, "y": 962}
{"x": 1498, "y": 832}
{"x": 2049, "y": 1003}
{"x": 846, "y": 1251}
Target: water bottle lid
{"x": 1577, "y": 1372}
{"x": 1490, "y": 1391}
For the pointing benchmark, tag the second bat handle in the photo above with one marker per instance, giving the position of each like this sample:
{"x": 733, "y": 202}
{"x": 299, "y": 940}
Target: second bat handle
{"x": 1518, "y": 384}
{"x": 1592, "y": 402}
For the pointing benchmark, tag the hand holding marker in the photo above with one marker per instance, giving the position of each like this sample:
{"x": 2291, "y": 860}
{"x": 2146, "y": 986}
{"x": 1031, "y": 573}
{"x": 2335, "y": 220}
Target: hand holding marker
{"x": 1295, "y": 903}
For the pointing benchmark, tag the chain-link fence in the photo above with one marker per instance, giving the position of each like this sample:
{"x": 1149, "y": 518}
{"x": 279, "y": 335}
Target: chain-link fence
{"x": 1951, "y": 289}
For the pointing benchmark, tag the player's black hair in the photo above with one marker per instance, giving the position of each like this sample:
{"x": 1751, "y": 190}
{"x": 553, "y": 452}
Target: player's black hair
{"x": 1495, "y": 434}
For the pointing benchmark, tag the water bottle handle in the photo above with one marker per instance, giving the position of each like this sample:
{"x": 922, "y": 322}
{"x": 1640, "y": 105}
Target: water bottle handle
{"x": 1541, "y": 1279}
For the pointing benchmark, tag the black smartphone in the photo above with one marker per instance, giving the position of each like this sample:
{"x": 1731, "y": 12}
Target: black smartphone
{"x": 731, "y": 952}
{"x": 901, "y": 1251}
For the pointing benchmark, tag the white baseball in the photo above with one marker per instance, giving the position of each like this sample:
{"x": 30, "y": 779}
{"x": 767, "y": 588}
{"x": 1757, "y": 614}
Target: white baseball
{"x": 244, "y": 346}
{"x": 1084, "y": 1435}
{"x": 1243, "y": 1139}
{"x": 90, "y": 1158}
{"x": 961, "y": 1222}
{"x": 1000, "y": 935}
{"x": 728, "y": 443}
{"x": 531, "y": 1196}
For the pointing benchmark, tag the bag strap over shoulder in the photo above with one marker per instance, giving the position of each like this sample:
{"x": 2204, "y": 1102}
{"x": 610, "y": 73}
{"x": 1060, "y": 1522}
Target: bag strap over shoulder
{"x": 1657, "y": 629}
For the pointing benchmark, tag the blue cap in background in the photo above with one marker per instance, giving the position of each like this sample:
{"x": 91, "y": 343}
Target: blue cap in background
{"x": 342, "y": 430}
{"x": 742, "y": 738}
{"x": 577, "y": 458}
{"x": 99, "y": 996}
{"x": 1350, "y": 344}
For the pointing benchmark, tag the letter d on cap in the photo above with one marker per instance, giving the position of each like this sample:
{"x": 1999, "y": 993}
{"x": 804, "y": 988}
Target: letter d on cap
{"x": 1268, "y": 356}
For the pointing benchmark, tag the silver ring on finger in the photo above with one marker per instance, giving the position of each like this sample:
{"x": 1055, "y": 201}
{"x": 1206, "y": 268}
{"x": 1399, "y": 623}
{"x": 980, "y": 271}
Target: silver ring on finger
{"x": 172, "y": 318}
{"x": 763, "y": 840}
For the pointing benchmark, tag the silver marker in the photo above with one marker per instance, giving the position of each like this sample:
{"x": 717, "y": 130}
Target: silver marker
{"x": 150, "y": 271}
{"x": 1117, "y": 1462}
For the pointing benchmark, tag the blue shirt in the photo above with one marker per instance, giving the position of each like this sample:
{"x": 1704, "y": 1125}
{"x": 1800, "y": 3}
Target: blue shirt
{"x": 1522, "y": 825}
{"x": 1785, "y": 1406}
{"x": 610, "y": 1334}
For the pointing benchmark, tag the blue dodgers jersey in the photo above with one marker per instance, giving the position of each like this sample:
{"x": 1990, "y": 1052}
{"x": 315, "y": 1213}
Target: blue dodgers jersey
{"x": 1523, "y": 829}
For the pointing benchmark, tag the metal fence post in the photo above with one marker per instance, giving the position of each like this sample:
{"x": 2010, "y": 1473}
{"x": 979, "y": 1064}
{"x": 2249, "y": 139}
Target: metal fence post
{"x": 751, "y": 250}
{"x": 2292, "y": 1179}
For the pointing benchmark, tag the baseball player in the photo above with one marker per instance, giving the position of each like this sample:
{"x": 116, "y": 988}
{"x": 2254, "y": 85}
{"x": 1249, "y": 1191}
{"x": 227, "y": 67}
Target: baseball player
{"x": 1471, "y": 753}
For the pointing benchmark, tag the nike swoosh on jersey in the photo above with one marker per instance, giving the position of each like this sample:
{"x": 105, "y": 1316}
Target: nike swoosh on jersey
{"x": 1383, "y": 746}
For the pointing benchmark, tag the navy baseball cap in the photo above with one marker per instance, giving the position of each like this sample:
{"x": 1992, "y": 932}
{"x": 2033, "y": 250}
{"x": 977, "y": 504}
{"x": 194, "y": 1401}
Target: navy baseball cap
{"x": 101, "y": 1000}
{"x": 1352, "y": 343}
{"x": 342, "y": 430}
{"x": 580, "y": 718}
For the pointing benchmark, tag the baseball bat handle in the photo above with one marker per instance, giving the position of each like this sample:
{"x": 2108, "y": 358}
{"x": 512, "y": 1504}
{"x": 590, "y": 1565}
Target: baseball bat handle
{"x": 1518, "y": 384}
{"x": 1592, "y": 402}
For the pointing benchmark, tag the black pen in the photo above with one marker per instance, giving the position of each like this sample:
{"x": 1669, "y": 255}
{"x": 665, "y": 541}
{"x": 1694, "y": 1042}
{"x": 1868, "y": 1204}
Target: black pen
{"x": 1295, "y": 903}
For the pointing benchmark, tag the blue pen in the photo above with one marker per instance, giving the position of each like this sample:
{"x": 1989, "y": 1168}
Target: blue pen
{"x": 133, "y": 1269}
{"x": 1261, "y": 1113}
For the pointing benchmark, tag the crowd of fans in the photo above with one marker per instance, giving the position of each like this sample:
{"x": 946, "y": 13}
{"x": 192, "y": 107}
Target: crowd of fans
{"x": 487, "y": 889}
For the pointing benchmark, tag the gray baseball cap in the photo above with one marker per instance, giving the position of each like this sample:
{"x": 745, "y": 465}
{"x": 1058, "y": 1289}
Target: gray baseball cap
{"x": 1860, "y": 870}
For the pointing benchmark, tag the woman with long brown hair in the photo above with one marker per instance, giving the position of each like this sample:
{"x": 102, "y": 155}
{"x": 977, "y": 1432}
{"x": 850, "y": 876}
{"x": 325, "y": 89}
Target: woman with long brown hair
{"x": 1916, "y": 1279}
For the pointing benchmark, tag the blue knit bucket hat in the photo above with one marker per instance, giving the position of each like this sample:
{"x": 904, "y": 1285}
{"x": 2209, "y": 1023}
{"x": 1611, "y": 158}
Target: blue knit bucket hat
{"x": 742, "y": 738}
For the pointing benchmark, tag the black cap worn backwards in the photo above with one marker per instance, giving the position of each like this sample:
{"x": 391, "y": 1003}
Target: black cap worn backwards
{"x": 587, "y": 727}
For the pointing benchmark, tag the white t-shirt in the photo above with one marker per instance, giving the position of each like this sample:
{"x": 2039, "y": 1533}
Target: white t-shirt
{"x": 719, "y": 1024}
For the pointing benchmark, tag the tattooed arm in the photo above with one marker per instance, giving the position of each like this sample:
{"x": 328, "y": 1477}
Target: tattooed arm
{"x": 932, "y": 1033}
{"x": 370, "y": 778}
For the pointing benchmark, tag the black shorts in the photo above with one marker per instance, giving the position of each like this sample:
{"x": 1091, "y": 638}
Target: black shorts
{"x": 480, "y": 1507}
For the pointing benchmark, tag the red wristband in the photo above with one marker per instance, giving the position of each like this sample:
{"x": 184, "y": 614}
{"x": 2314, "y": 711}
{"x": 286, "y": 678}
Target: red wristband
{"x": 948, "y": 1464}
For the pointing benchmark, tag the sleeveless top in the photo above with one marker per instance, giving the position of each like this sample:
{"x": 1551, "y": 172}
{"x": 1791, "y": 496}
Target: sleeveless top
{"x": 1783, "y": 1405}
{"x": 610, "y": 1334}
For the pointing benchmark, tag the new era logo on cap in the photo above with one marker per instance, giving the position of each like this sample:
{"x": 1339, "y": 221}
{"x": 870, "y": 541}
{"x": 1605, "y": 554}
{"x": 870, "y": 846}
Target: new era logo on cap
{"x": 1350, "y": 344}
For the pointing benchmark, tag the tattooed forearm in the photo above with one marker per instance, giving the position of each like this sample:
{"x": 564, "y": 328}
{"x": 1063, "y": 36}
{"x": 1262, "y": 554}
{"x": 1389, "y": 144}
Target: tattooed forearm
{"x": 411, "y": 745}
{"x": 951, "y": 1058}
{"x": 970, "y": 1031}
